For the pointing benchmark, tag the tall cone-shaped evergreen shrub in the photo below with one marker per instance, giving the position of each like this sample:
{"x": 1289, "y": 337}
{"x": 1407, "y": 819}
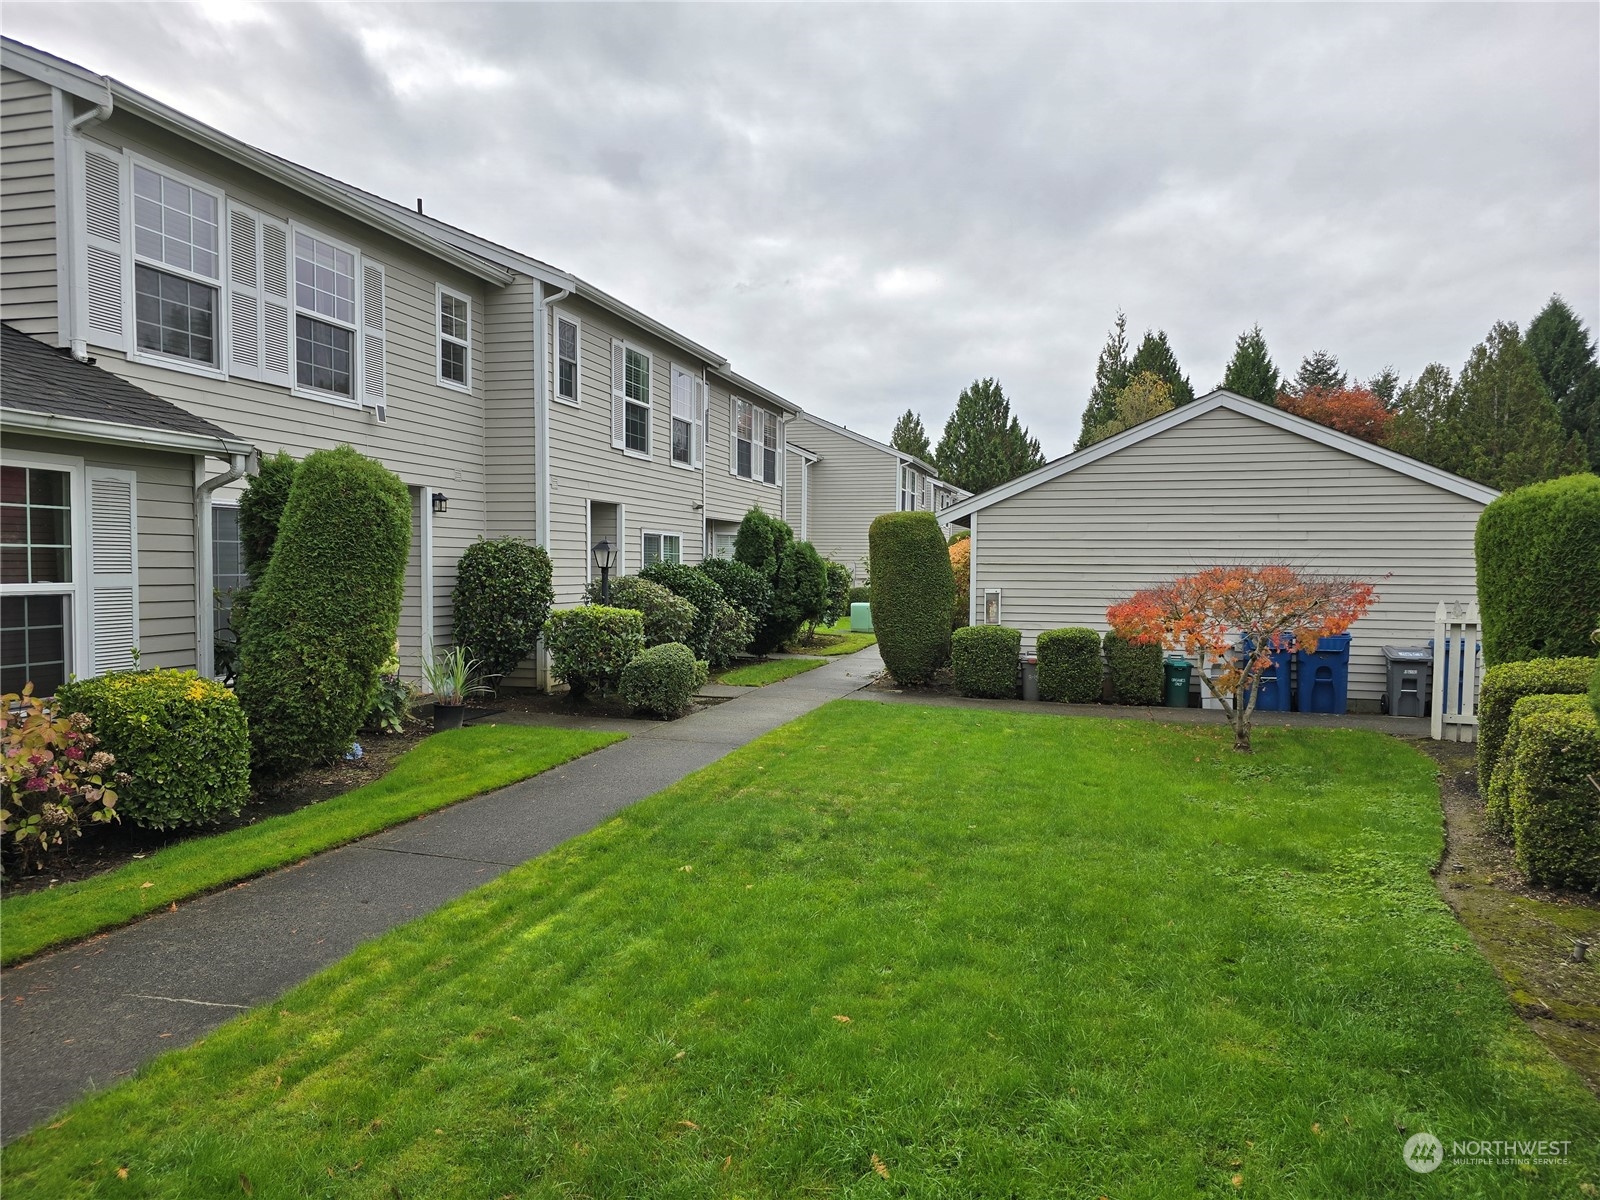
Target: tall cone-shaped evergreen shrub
{"x": 324, "y": 615}
{"x": 913, "y": 593}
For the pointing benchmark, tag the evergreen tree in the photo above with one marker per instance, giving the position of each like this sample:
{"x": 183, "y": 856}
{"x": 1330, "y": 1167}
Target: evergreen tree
{"x": 1146, "y": 396}
{"x": 984, "y": 445}
{"x": 1505, "y": 426}
{"x": 909, "y": 437}
{"x": 1319, "y": 370}
{"x": 1424, "y": 420}
{"x": 1251, "y": 372}
{"x": 1111, "y": 375}
{"x": 1566, "y": 359}
{"x": 1155, "y": 355}
{"x": 1385, "y": 385}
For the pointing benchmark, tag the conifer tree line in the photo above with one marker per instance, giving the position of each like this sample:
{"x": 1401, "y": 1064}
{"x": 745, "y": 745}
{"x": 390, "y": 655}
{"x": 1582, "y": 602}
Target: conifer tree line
{"x": 1524, "y": 406}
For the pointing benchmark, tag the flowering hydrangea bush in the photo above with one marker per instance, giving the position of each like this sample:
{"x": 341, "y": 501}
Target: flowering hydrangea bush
{"x": 55, "y": 778}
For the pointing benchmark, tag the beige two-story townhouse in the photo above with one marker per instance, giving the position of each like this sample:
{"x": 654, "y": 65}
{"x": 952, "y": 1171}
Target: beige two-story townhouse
{"x": 839, "y": 480}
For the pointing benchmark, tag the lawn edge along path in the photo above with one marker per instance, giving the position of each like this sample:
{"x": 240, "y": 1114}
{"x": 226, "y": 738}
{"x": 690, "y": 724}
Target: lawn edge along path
{"x": 773, "y": 670}
{"x": 445, "y": 769}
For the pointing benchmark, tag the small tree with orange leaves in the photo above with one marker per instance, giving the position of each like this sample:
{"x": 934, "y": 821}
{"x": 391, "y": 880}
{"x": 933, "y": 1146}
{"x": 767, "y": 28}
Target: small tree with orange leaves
{"x": 1356, "y": 411}
{"x": 1210, "y": 614}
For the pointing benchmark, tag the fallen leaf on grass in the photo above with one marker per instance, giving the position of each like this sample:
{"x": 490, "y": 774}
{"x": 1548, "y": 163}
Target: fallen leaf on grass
{"x": 727, "y": 1162}
{"x": 245, "y": 1184}
{"x": 686, "y": 867}
{"x": 1316, "y": 1127}
{"x": 843, "y": 1020}
{"x": 122, "y": 1172}
{"x": 145, "y": 884}
{"x": 879, "y": 1167}
{"x": 688, "y": 1124}
{"x": 1238, "y": 1181}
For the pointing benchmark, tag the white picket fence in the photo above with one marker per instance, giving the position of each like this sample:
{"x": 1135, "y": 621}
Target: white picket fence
{"x": 1457, "y": 672}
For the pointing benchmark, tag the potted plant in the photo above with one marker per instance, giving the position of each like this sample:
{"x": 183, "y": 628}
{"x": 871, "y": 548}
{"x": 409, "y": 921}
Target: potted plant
{"x": 450, "y": 679}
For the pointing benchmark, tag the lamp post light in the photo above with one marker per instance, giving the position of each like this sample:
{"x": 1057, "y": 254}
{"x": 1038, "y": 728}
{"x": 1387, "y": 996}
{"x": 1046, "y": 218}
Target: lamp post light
{"x": 605, "y": 557}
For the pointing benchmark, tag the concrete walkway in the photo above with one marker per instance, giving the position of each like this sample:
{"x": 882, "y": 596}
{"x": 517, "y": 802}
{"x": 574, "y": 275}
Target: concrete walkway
{"x": 88, "y": 1015}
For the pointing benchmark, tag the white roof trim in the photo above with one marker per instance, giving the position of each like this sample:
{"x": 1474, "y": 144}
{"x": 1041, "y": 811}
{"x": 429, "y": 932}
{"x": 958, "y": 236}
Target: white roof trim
{"x": 1264, "y": 413}
{"x": 740, "y": 383}
{"x": 84, "y": 429}
{"x": 802, "y": 452}
{"x": 57, "y": 72}
{"x": 872, "y": 442}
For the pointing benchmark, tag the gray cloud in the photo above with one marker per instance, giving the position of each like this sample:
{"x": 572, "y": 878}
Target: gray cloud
{"x": 867, "y": 207}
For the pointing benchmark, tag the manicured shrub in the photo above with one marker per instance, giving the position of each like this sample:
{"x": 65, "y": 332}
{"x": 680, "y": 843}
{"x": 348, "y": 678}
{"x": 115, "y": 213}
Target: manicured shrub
{"x": 667, "y": 618}
{"x": 1594, "y": 689}
{"x": 1070, "y": 667}
{"x": 260, "y": 511}
{"x": 53, "y": 775}
{"x": 730, "y": 635}
{"x": 592, "y": 645}
{"x": 799, "y": 597}
{"x": 1497, "y": 793}
{"x": 1134, "y": 669}
{"x": 913, "y": 593}
{"x": 1507, "y": 683}
{"x": 502, "y": 600}
{"x": 961, "y": 570}
{"x": 860, "y": 595}
{"x": 699, "y": 589}
{"x": 838, "y": 606}
{"x": 662, "y": 679}
{"x": 1538, "y": 551}
{"x": 181, "y": 739}
{"x": 324, "y": 615}
{"x": 760, "y": 543}
{"x": 742, "y": 585}
{"x": 1555, "y": 809}
{"x": 985, "y": 660}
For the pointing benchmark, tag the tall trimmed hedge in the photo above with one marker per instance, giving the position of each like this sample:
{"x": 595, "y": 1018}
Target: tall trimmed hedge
{"x": 699, "y": 589}
{"x": 1070, "y": 666}
{"x": 795, "y": 571}
{"x": 261, "y": 510}
{"x": 1507, "y": 683}
{"x": 1135, "y": 671}
{"x": 742, "y": 585}
{"x": 1497, "y": 792}
{"x": 913, "y": 593}
{"x": 1538, "y": 551}
{"x": 985, "y": 660}
{"x": 324, "y": 615}
{"x": 1555, "y": 810}
{"x": 502, "y": 600}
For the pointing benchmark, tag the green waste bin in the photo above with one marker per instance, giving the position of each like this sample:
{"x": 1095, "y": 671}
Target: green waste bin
{"x": 1177, "y": 676}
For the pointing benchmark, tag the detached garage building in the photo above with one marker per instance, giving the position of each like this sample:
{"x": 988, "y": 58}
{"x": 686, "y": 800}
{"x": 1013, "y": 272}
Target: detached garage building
{"x": 1225, "y": 480}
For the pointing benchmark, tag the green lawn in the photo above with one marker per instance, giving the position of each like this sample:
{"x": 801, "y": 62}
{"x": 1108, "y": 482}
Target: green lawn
{"x": 835, "y": 639}
{"x": 773, "y": 670}
{"x": 999, "y": 955}
{"x": 445, "y": 768}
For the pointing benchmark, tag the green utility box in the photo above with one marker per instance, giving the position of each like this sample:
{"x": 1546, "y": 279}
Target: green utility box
{"x": 860, "y": 618}
{"x": 1177, "y": 680}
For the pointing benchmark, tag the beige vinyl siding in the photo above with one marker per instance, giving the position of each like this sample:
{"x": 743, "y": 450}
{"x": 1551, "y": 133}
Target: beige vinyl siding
{"x": 434, "y": 437}
{"x": 28, "y": 203}
{"x": 850, "y": 484}
{"x": 509, "y": 409}
{"x": 585, "y": 467}
{"x": 1226, "y": 488}
{"x": 166, "y": 556}
{"x": 730, "y": 496}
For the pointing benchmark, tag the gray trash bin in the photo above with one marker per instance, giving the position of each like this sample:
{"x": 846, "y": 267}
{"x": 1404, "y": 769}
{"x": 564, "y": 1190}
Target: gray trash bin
{"x": 1410, "y": 671}
{"x": 1030, "y": 677}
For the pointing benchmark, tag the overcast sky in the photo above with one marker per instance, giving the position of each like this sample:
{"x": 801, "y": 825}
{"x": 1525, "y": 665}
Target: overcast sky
{"x": 865, "y": 208}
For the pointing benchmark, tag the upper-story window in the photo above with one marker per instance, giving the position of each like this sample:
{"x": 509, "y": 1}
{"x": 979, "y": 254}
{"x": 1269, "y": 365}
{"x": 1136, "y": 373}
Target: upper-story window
{"x": 325, "y": 315}
{"x": 686, "y": 407}
{"x": 455, "y": 338}
{"x": 176, "y": 267}
{"x": 909, "y": 488}
{"x": 567, "y": 358}
{"x": 636, "y": 396}
{"x": 769, "y": 447}
{"x": 744, "y": 434}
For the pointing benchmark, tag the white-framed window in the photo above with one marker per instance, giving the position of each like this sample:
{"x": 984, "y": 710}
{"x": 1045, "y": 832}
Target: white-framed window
{"x": 455, "y": 339}
{"x": 722, "y": 544}
{"x": 769, "y": 446}
{"x": 630, "y": 398}
{"x": 743, "y": 422}
{"x": 36, "y": 566}
{"x": 325, "y": 315}
{"x": 686, "y": 392}
{"x": 991, "y": 606}
{"x": 662, "y": 547}
{"x": 909, "y": 487}
{"x": 177, "y": 267}
{"x": 227, "y": 561}
{"x": 567, "y": 362}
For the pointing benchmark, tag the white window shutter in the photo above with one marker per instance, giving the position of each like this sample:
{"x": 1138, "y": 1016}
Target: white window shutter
{"x": 277, "y": 353}
{"x": 244, "y": 293}
{"x": 373, "y": 359}
{"x": 733, "y": 436}
{"x": 106, "y": 256}
{"x": 113, "y": 569}
{"x": 701, "y": 400}
{"x": 619, "y": 377}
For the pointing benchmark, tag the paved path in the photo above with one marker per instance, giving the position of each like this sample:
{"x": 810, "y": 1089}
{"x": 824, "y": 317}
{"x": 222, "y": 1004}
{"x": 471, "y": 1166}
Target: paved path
{"x": 88, "y": 1015}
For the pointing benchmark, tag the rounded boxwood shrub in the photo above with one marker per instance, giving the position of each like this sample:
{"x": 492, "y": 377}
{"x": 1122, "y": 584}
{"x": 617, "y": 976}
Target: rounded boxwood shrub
{"x": 323, "y": 618}
{"x": 730, "y": 635}
{"x": 181, "y": 738}
{"x": 1135, "y": 671}
{"x": 592, "y": 645}
{"x": 667, "y": 618}
{"x": 985, "y": 660}
{"x": 1497, "y": 793}
{"x": 502, "y": 600}
{"x": 1507, "y": 683}
{"x": 1555, "y": 809}
{"x": 1070, "y": 667}
{"x": 662, "y": 679}
{"x": 699, "y": 589}
{"x": 913, "y": 593}
{"x": 742, "y": 585}
{"x": 1538, "y": 551}
{"x": 860, "y": 595}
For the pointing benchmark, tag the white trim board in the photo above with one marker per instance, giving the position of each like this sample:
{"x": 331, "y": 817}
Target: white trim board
{"x": 872, "y": 442}
{"x": 1208, "y": 403}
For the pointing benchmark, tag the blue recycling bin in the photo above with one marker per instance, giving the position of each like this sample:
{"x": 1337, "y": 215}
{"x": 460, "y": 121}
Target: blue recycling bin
{"x": 1272, "y": 688}
{"x": 1324, "y": 683}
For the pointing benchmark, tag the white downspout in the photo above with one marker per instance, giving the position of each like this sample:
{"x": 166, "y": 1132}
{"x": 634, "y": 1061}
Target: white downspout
{"x": 205, "y": 616}
{"x": 541, "y": 442}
